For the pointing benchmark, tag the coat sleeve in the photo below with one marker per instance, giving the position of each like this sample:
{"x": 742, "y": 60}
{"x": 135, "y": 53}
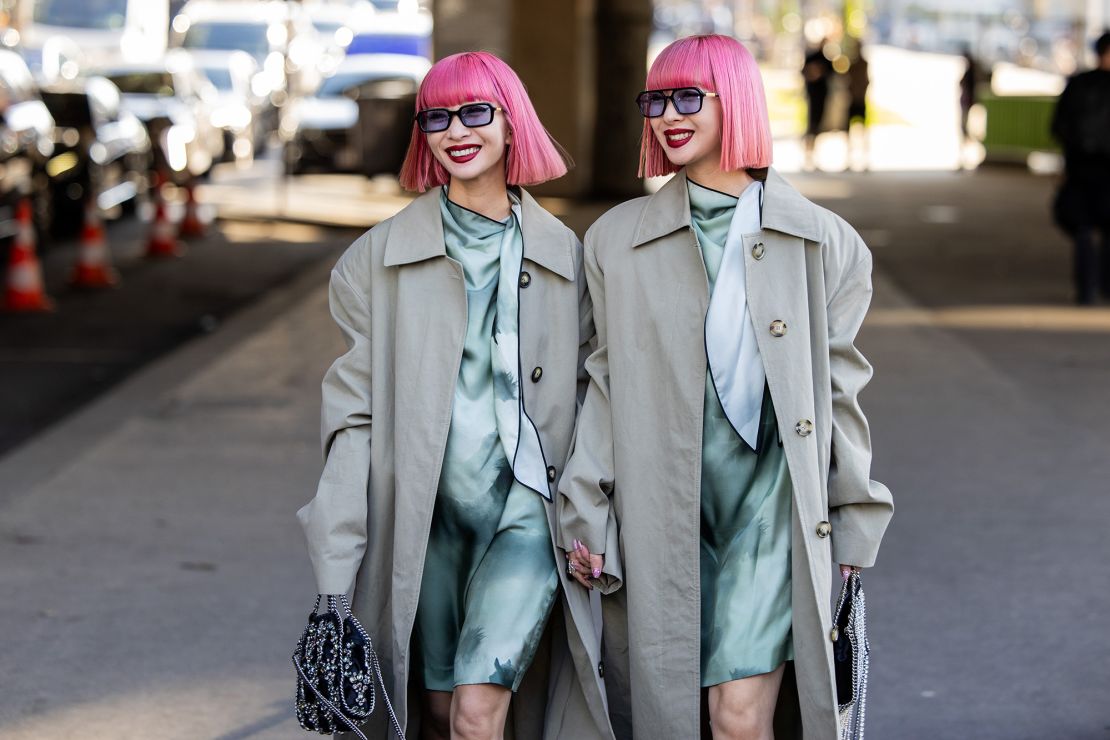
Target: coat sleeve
{"x": 334, "y": 521}
{"x": 587, "y": 334}
{"x": 586, "y": 487}
{"x": 859, "y": 508}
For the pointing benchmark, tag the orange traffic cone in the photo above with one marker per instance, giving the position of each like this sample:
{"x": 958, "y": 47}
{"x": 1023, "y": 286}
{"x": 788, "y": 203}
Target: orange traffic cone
{"x": 94, "y": 260}
{"x": 191, "y": 225}
{"x": 163, "y": 239}
{"x": 24, "y": 291}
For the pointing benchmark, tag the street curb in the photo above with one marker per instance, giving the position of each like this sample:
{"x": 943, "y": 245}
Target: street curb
{"x": 52, "y": 450}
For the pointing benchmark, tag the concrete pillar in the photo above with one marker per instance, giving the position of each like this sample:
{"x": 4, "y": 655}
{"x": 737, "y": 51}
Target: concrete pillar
{"x": 623, "y": 27}
{"x": 582, "y": 62}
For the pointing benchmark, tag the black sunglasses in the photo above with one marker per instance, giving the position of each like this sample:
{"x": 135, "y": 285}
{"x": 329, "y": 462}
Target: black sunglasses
{"x": 686, "y": 101}
{"x": 473, "y": 115}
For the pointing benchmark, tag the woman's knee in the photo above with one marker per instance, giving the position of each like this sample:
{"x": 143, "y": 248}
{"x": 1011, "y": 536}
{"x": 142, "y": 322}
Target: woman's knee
{"x": 478, "y": 714}
{"x": 735, "y": 721}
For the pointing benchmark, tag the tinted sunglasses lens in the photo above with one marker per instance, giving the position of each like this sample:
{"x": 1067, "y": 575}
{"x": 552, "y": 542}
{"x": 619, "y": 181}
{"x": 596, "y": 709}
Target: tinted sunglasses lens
{"x": 431, "y": 121}
{"x": 687, "y": 100}
{"x": 651, "y": 104}
{"x": 476, "y": 115}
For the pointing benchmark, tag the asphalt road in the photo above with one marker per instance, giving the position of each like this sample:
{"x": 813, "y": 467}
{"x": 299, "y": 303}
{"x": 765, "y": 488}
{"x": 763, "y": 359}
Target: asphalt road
{"x": 51, "y": 364}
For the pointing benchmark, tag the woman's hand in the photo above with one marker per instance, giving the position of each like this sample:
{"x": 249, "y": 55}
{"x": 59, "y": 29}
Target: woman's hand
{"x": 583, "y": 566}
{"x": 846, "y": 570}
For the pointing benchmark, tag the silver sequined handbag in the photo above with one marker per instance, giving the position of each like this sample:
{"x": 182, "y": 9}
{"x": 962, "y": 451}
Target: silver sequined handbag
{"x": 851, "y": 657}
{"x": 337, "y": 668}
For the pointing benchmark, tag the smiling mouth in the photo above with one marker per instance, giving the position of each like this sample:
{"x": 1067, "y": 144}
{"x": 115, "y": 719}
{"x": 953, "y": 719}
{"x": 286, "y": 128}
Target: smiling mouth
{"x": 677, "y": 137}
{"x": 463, "y": 153}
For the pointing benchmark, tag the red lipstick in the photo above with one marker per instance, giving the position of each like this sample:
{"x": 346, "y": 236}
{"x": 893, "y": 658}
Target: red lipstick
{"x": 473, "y": 150}
{"x": 683, "y": 140}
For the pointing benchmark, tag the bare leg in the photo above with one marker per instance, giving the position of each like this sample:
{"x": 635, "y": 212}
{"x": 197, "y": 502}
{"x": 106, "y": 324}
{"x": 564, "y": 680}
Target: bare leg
{"x": 435, "y": 719}
{"x": 478, "y": 712}
{"x": 745, "y": 709}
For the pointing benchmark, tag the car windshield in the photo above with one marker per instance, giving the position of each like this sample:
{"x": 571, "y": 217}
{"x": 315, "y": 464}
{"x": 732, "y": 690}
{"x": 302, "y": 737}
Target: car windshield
{"x": 248, "y": 37}
{"x": 219, "y": 76}
{"x": 144, "y": 83}
{"x": 98, "y": 14}
{"x": 342, "y": 82}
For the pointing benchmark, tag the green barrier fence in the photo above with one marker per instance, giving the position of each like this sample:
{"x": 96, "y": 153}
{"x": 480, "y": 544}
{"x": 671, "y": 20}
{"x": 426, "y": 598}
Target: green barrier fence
{"x": 1018, "y": 125}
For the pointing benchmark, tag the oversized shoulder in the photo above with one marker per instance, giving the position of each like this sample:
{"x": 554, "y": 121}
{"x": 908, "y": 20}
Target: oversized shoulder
{"x": 618, "y": 223}
{"x": 365, "y": 255}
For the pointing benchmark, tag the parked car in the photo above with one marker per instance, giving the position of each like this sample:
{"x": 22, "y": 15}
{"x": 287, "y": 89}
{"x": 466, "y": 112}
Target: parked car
{"x": 336, "y": 25}
{"x": 245, "y": 118}
{"x": 324, "y": 132}
{"x": 26, "y": 144}
{"x": 101, "y": 29}
{"x": 101, "y": 151}
{"x": 175, "y": 103}
{"x": 395, "y": 33}
{"x": 278, "y": 35}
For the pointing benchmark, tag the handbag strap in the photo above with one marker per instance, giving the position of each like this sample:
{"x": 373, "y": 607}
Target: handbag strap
{"x": 375, "y": 665}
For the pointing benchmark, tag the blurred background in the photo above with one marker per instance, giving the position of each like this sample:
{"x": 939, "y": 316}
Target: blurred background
{"x": 177, "y": 177}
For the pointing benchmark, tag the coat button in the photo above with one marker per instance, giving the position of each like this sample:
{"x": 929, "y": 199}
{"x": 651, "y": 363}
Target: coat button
{"x": 551, "y": 473}
{"x": 537, "y": 374}
{"x": 778, "y": 328}
{"x": 804, "y": 428}
{"x": 757, "y": 251}
{"x": 824, "y": 529}
{"x": 601, "y": 670}
{"x": 525, "y": 280}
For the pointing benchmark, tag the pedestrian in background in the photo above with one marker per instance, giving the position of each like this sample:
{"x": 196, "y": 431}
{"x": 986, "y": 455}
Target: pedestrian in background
{"x": 1081, "y": 123}
{"x": 969, "y": 95}
{"x": 721, "y": 462}
{"x": 859, "y": 79}
{"x": 434, "y": 506}
{"x": 817, "y": 71}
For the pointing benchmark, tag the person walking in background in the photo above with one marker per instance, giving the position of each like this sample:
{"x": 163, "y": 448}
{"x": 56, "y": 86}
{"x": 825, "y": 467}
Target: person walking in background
{"x": 721, "y": 464}
{"x": 1081, "y": 123}
{"x": 816, "y": 73}
{"x": 434, "y": 506}
{"x": 859, "y": 79}
{"x": 969, "y": 95}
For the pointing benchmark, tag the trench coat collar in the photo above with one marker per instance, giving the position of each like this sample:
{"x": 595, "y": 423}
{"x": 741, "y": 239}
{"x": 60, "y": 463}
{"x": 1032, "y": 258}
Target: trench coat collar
{"x": 417, "y": 235}
{"x": 784, "y": 209}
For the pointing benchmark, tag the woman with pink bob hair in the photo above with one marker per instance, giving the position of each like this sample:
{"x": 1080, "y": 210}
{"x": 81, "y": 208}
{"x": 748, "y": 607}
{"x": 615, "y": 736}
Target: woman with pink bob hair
{"x": 721, "y": 462}
{"x": 447, "y": 421}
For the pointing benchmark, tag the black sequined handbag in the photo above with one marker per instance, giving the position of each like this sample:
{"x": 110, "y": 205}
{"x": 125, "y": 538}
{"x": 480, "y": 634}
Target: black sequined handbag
{"x": 336, "y": 673}
{"x": 851, "y": 657}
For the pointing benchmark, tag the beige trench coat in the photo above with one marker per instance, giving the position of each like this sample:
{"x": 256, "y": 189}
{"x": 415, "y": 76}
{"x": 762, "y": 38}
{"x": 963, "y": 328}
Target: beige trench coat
{"x": 400, "y": 303}
{"x": 631, "y": 487}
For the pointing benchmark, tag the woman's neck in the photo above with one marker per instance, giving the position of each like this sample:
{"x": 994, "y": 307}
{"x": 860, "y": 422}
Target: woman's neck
{"x": 707, "y": 171}
{"x": 488, "y": 196}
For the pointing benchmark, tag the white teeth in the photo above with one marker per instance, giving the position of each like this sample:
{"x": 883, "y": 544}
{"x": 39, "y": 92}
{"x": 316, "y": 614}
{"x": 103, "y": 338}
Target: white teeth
{"x": 680, "y": 137}
{"x": 464, "y": 152}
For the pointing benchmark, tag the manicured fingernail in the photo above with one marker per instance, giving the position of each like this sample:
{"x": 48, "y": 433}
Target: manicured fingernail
{"x": 597, "y": 572}
{"x": 845, "y": 574}
{"x": 577, "y": 545}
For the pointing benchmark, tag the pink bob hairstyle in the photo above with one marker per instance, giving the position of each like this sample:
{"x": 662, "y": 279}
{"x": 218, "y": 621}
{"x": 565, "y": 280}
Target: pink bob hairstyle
{"x": 533, "y": 157}
{"x": 721, "y": 65}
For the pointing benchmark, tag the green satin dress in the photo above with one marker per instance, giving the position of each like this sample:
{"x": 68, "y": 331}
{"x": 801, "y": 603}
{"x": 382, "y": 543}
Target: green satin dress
{"x": 745, "y": 512}
{"x": 490, "y": 577}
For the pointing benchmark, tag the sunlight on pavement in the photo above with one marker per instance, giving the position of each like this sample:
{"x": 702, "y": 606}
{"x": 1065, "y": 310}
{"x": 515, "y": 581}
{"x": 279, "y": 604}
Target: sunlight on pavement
{"x": 206, "y": 709}
{"x": 1021, "y": 318}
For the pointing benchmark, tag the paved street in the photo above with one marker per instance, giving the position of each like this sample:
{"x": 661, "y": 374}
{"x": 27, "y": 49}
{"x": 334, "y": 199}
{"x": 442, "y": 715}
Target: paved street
{"x": 158, "y": 580}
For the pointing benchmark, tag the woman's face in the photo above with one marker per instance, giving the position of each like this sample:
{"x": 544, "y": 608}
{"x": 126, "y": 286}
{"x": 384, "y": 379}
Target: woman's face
{"x": 469, "y": 154}
{"x": 689, "y": 139}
